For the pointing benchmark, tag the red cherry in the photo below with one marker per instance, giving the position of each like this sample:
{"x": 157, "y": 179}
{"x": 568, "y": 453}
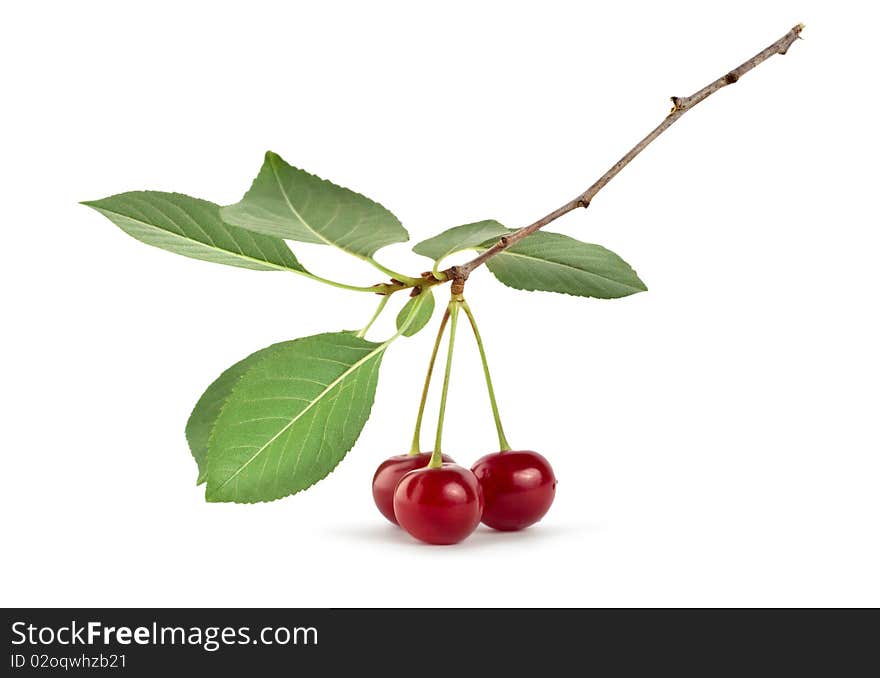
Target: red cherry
{"x": 518, "y": 488}
{"x": 389, "y": 474}
{"x": 439, "y": 505}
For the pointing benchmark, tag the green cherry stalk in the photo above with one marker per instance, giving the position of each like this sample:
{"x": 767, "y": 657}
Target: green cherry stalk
{"x": 503, "y": 445}
{"x": 454, "y": 306}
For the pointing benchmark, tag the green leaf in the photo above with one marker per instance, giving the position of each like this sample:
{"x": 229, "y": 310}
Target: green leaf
{"x": 207, "y": 409}
{"x": 556, "y": 263}
{"x": 193, "y": 228}
{"x": 290, "y": 203}
{"x": 292, "y": 416}
{"x": 459, "y": 238}
{"x": 422, "y": 314}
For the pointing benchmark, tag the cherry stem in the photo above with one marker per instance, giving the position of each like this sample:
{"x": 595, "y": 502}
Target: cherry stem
{"x": 502, "y": 439}
{"x": 415, "y": 448}
{"x": 436, "y": 456}
{"x": 361, "y": 333}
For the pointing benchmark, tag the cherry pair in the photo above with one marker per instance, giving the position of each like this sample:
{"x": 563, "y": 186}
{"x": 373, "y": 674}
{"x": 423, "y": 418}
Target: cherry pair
{"x": 507, "y": 490}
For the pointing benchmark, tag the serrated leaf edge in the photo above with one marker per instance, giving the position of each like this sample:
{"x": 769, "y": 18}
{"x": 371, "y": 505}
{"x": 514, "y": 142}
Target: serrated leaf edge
{"x": 475, "y": 248}
{"x": 262, "y": 262}
{"x": 272, "y": 159}
{"x": 643, "y": 288}
{"x": 377, "y": 351}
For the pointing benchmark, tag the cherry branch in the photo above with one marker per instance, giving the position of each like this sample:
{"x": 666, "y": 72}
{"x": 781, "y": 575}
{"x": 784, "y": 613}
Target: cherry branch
{"x": 680, "y": 105}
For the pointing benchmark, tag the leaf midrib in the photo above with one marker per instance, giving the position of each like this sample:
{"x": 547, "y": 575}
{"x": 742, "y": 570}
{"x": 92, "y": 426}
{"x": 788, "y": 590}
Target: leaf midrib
{"x": 326, "y": 241}
{"x": 380, "y": 348}
{"x": 508, "y": 253}
{"x": 238, "y": 255}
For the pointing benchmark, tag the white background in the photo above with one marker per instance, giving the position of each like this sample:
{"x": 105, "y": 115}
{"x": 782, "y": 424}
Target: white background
{"x": 715, "y": 439}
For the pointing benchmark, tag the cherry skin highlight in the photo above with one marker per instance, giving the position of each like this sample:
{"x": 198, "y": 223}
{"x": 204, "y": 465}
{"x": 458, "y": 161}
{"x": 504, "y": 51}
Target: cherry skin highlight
{"x": 389, "y": 474}
{"x": 439, "y": 505}
{"x": 518, "y": 488}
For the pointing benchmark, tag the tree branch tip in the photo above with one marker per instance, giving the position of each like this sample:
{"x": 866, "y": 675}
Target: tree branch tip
{"x": 786, "y": 44}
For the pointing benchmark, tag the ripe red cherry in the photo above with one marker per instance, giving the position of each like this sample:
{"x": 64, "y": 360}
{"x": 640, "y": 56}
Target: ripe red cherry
{"x": 518, "y": 488}
{"x": 389, "y": 474}
{"x": 439, "y": 505}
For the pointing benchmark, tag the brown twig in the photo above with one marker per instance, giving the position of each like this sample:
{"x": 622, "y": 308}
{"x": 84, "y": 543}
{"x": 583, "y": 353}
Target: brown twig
{"x": 680, "y": 106}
